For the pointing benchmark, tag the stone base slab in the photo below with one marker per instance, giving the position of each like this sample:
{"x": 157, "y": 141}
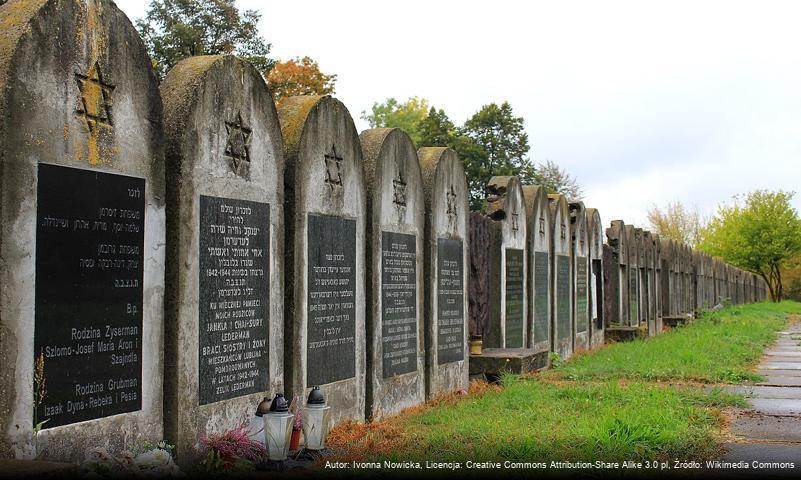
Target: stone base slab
{"x": 625, "y": 334}
{"x": 494, "y": 361}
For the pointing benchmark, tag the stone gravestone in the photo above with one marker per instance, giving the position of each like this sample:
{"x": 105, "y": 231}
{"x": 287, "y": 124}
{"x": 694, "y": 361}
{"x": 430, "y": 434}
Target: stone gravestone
{"x": 395, "y": 235}
{"x": 595, "y": 232}
{"x": 507, "y": 273}
{"x": 539, "y": 268}
{"x": 657, "y": 281}
{"x": 83, "y": 232}
{"x": 616, "y": 260}
{"x": 666, "y": 280}
{"x": 561, "y": 324}
{"x": 580, "y": 259}
{"x": 325, "y": 212}
{"x": 446, "y": 256}
{"x": 481, "y": 228}
{"x": 224, "y": 304}
{"x": 650, "y": 281}
{"x": 634, "y": 276}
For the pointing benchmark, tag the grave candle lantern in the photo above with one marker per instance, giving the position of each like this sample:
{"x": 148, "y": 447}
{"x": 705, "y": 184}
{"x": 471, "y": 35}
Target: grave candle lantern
{"x": 277, "y": 426}
{"x": 315, "y": 416}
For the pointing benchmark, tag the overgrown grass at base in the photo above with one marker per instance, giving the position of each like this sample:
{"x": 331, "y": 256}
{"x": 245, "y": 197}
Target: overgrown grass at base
{"x": 627, "y": 401}
{"x": 719, "y": 347}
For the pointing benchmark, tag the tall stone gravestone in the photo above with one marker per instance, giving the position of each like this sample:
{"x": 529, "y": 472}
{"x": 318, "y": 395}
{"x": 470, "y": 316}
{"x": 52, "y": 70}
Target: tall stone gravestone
{"x": 82, "y": 182}
{"x": 616, "y": 289}
{"x": 666, "y": 281}
{"x": 508, "y": 299}
{"x": 325, "y": 212}
{"x": 595, "y": 233}
{"x": 580, "y": 264}
{"x": 562, "y": 324}
{"x": 539, "y": 267}
{"x": 225, "y": 220}
{"x": 446, "y": 256}
{"x": 657, "y": 248}
{"x": 634, "y": 276}
{"x": 648, "y": 282}
{"x": 395, "y": 243}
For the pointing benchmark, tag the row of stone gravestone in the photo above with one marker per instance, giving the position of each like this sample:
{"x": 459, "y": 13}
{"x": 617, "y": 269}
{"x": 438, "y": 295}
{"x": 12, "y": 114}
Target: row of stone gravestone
{"x": 173, "y": 254}
{"x": 536, "y": 272}
{"x": 649, "y": 279}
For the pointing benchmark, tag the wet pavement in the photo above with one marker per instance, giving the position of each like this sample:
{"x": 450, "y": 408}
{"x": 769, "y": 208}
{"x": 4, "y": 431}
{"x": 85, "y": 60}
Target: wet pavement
{"x": 769, "y": 431}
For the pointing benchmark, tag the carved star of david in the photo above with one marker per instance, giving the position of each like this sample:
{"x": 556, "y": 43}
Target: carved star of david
{"x": 542, "y": 226}
{"x": 333, "y": 168}
{"x": 237, "y": 148}
{"x": 96, "y": 101}
{"x": 451, "y": 198}
{"x": 399, "y": 190}
{"x": 563, "y": 233}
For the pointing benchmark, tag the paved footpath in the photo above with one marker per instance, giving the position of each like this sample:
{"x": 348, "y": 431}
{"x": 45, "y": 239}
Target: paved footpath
{"x": 770, "y": 430}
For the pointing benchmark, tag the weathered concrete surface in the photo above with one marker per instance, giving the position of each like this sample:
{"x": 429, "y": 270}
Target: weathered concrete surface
{"x": 562, "y": 324}
{"x": 580, "y": 257}
{"x": 208, "y": 100}
{"x": 505, "y": 208}
{"x": 595, "y": 231}
{"x": 625, "y": 334}
{"x": 50, "y": 50}
{"x": 766, "y": 392}
{"x": 395, "y": 204}
{"x": 539, "y": 254}
{"x": 495, "y": 361}
{"x": 324, "y": 176}
{"x": 446, "y": 198}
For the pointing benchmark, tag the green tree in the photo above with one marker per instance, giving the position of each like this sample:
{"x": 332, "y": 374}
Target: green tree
{"x": 556, "y": 180}
{"x": 503, "y": 146}
{"x": 392, "y": 114}
{"x": 176, "y": 29}
{"x": 760, "y": 233}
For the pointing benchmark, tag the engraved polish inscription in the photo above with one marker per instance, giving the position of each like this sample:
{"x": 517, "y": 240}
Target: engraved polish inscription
{"x": 234, "y": 302}
{"x": 514, "y": 296}
{"x": 450, "y": 301}
{"x": 398, "y": 303}
{"x": 331, "y": 324}
{"x": 88, "y": 307}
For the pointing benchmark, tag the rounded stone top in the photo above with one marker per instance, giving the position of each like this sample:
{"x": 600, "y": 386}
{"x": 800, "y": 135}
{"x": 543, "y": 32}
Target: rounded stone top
{"x": 616, "y": 233}
{"x": 560, "y": 223}
{"x": 392, "y": 176}
{"x": 219, "y": 115}
{"x": 596, "y": 231}
{"x": 76, "y": 79}
{"x": 578, "y": 227}
{"x": 538, "y": 217}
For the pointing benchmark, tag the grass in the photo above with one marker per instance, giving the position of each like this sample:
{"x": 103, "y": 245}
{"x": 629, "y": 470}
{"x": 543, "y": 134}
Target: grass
{"x": 626, "y": 401}
{"x": 719, "y": 347}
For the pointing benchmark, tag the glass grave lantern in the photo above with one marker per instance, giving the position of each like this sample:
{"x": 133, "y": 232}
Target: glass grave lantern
{"x": 315, "y": 420}
{"x": 277, "y": 426}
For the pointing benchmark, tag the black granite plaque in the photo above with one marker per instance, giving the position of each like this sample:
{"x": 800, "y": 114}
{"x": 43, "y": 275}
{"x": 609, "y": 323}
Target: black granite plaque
{"x": 398, "y": 303}
{"x": 234, "y": 302}
{"x": 541, "y": 297}
{"x": 90, "y": 230}
{"x": 563, "y": 297}
{"x": 633, "y": 294}
{"x": 582, "y": 321}
{"x": 514, "y": 298}
{"x": 331, "y": 328}
{"x": 450, "y": 301}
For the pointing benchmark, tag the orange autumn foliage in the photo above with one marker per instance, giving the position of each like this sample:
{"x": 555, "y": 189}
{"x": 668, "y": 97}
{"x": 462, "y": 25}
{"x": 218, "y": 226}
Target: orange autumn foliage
{"x": 299, "y": 76}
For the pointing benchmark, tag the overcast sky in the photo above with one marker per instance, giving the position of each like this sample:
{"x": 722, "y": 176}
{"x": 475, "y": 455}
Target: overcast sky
{"x": 644, "y": 102}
